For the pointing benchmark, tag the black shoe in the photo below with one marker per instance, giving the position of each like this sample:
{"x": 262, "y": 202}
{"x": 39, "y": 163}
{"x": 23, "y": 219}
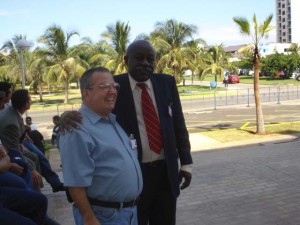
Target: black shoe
{"x": 58, "y": 188}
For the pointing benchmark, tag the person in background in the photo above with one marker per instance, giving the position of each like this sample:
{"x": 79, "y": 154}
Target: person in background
{"x": 55, "y": 131}
{"x": 226, "y": 79}
{"x": 7, "y": 89}
{"x": 19, "y": 204}
{"x": 28, "y": 121}
{"x": 12, "y": 134}
{"x": 37, "y": 138}
{"x": 100, "y": 165}
{"x": 162, "y": 138}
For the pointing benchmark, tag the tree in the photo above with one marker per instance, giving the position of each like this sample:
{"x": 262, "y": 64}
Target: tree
{"x": 171, "y": 39}
{"x": 258, "y": 32}
{"x": 295, "y": 48}
{"x": 113, "y": 48}
{"x": 10, "y": 69}
{"x": 37, "y": 68}
{"x": 217, "y": 59}
{"x": 64, "y": 62}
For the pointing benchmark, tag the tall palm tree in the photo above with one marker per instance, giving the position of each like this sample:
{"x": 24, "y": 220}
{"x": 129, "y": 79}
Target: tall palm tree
{"x": 258, "y": 32}
{"x": 37, "y": 68}
{"x": 65, "y": 62}
{"x": 170, "y": 38}
{"x": 113, "y": 48}
{"x": 217, "y": 59}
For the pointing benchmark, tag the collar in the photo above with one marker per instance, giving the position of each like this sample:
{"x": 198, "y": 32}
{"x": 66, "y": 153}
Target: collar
{"x": 133, "y": 83}
{"x": 94, "y": 117}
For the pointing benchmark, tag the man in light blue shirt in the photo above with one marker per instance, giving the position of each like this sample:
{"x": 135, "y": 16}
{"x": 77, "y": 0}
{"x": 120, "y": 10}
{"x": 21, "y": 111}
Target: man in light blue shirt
{"x": 99, "y": 161}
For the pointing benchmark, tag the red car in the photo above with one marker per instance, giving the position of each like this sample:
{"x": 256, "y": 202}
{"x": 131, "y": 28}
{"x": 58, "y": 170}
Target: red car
{"x": 232, "y": 79}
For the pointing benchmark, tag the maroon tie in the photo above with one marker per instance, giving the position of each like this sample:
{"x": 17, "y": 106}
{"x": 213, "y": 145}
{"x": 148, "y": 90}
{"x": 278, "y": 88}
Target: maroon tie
{"x": 151, "y": 120}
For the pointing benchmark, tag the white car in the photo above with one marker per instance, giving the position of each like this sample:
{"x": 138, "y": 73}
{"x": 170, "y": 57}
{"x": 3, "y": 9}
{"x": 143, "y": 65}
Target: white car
{"x": 296, "y": 76}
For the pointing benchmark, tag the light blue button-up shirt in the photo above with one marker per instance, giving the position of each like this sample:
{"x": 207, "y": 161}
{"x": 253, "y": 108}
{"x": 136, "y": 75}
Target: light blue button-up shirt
{"x": 100, "y": 157}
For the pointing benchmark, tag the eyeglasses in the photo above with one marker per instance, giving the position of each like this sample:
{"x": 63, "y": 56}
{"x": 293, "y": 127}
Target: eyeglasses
{"x": 106, "y": 86}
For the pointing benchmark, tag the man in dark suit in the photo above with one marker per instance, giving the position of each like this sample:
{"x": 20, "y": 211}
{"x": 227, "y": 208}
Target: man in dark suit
{"x": 161, "y": 175}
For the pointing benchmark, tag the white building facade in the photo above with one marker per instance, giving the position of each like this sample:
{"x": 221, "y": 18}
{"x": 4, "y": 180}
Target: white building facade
{"x": 287, "y": 21}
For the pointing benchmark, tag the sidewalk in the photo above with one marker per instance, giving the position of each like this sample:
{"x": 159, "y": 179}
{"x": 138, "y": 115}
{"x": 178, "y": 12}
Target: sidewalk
{"x": 254, "y": 184}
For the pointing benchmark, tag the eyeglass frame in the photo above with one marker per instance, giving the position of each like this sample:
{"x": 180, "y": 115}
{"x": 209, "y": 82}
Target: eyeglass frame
{"x": 106, "y": 86}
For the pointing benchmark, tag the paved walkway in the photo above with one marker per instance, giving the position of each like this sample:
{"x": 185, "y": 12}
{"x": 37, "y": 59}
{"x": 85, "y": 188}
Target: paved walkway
{"x": 254, "y": 184}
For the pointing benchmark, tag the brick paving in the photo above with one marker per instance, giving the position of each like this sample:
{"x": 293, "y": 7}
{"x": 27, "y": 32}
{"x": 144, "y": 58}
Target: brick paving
{"x": 257, "y": 184}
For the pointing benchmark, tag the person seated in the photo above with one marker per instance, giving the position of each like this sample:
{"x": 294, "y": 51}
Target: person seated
{"x": 55, "y": 131}
{"x": 28, "y": 121}
{"x": 37, "y": 138}
{"x": 12, "y": 133}
{"x": 19, "y": 205}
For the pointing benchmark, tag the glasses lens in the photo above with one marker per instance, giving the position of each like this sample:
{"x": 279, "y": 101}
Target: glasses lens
{"x": 117, "y": 86}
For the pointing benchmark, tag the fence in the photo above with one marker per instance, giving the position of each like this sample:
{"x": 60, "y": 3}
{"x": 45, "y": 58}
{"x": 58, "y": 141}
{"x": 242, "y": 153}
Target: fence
{"x": 215, "y": 99}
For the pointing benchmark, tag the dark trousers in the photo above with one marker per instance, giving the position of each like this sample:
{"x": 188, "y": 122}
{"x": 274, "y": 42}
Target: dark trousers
{"x": 9, "y": 179}
{"x": 46, "y": 170}
{"x": 157, "y": 205}
{"x": 19, "y": 206}
{"x": 17, "y": 157}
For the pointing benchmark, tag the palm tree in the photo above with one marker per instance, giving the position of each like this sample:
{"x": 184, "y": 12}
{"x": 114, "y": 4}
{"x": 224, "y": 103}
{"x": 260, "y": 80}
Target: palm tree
{"x": 38, "y": 69}
{"x": 65, "y": 62}
{"x": 171, "y": 39}
{"x": 259, "y": 32}
{"x": 10, "y": 69}
{"x": 295, "y": 48}
{"x": 113, "y": 49}
{"x": 217, "y": 59}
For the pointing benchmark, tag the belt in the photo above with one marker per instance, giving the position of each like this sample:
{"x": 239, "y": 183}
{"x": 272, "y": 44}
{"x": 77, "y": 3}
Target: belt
{"x": 115, "y": 205}
{"x": 155, "y": 163}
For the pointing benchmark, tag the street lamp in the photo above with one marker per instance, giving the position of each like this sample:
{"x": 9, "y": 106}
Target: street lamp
{"x": 22, "y": 45}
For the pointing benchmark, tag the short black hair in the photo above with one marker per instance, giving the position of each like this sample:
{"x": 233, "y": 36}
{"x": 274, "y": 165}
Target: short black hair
{"x": 28, "y": 118}
{"x": 56, "y": 117}
{"x": 19, "y": 98}
{"x": 5, "y": 86}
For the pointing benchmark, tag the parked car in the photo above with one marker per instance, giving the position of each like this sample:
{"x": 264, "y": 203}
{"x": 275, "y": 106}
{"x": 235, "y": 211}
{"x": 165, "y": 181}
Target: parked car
{"x": 232, "y": 79}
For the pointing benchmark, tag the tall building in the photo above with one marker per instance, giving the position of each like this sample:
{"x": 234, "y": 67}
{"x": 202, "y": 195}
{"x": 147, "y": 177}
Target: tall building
{"x": 288, "y": 21}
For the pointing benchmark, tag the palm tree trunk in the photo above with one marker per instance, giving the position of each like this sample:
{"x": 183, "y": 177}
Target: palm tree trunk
{"x": 260, "y": 126}
{"x": 192, "y": 77}
{"x": 66, "y": 92}
{"x": 40, "y": 92}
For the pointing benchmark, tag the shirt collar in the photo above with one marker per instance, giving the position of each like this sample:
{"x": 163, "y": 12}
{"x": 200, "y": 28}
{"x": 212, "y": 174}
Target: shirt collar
{"x": 133, "y": 83}
{"x": 94, "y": 117}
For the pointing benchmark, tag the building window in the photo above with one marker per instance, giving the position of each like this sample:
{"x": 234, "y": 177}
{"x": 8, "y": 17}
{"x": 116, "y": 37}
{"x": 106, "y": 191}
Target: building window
{"x": 283, "y": 5}
{"x": 283, "y": 12}
{"x": 283, "y": 33}
{"x": 283, "y": 19}
{"x": 283, "y": 27}
{"x": 283, "y": 40}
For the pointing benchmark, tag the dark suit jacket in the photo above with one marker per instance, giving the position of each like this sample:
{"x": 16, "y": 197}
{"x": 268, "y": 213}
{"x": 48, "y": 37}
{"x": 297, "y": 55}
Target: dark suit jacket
{"x": 11, "y": 128}
{"x": 175, "y": 136}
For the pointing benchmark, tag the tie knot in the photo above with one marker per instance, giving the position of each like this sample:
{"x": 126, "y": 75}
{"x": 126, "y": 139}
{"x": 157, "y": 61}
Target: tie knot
{"x": 142, "y": 86}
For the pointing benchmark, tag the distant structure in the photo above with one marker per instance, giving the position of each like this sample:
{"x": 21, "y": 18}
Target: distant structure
{"x": 265, "y": 49}
{"x": 287, "y": 21}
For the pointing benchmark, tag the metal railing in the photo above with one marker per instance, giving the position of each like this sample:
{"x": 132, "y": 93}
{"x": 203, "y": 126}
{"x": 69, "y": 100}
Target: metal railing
{"x": 198, "y": 101}
{"x": 215, "y": 99}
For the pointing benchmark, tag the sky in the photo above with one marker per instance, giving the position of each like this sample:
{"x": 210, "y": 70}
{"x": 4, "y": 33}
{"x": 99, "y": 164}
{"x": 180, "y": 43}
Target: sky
{"x": 89, "y": 18}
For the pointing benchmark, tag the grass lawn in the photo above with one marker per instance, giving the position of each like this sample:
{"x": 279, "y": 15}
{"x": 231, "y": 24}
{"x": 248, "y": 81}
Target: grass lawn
{"x": 229, "y": 135}
{"x": 262, "y": 80}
